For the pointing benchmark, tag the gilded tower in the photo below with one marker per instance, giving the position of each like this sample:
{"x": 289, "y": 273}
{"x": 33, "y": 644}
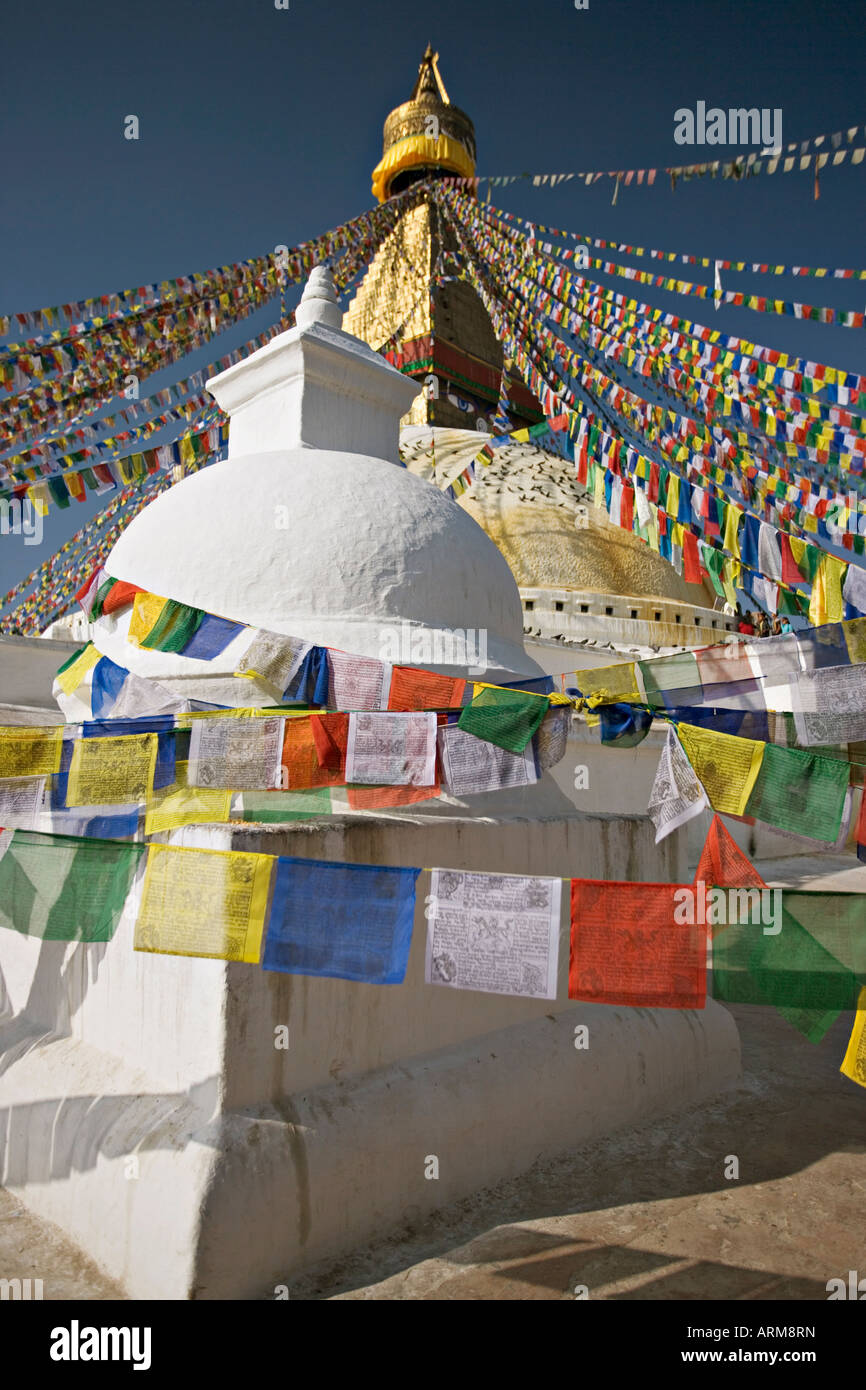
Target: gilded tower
{"x": 425, "y": 328}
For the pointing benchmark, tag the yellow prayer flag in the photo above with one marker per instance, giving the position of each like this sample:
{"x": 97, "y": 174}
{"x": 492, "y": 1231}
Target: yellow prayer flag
{"x": 855, "y": 640}
{"x": 204, "y": 902}
{"x": 112, "y": 771}
{"x": 726, "y": 765}
{"x": 818, "y": 598}
{"x": 854, "y": 1061}
{"x": 608, "y": 684}
{"x": 181, "y": 804}
{"x": 672, "y": 500}
{"x": 70, "y": 679}
{"x": 834, "y": 573}
{"x": 146, "y": 609}
{"x": 731, "y": 571}
{"x": 29, "y": 752}
{"x": 732, "y": 522}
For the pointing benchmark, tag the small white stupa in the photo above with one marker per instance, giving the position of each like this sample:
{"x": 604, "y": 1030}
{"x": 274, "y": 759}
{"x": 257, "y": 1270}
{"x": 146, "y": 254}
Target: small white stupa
{"x": 312, "y": 528}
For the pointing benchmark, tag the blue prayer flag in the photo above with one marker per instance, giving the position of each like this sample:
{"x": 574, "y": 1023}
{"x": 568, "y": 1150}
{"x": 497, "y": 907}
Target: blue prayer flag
{"x": 346, "y": 921}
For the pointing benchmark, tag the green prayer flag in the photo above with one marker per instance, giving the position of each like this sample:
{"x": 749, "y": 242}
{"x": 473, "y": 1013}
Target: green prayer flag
{"x": 667, "y": 674}
{"x": 837, "y": 921}
{"x": 64, "y": 889}
{"x": 175, "y": 627}
{"x": 507, "y": 718}
{"x": 102, "y": 593}
{"x": 788, "y": 969}
{"x": 800, "y": 792}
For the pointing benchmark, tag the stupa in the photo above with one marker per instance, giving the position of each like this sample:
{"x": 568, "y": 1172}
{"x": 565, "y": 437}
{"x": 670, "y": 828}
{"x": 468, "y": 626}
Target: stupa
{"x": 148, "y": 1109}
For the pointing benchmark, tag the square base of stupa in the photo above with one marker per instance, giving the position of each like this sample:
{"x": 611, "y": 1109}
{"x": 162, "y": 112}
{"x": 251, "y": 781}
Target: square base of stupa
{"x": 147, "y": 1111}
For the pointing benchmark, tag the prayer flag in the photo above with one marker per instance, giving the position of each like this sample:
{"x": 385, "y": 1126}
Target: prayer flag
{"x": 301, "y": 768}
{"x": 799, "y": 791}
{"x": 854, "y": 1062}
{"x": 418, "y": 690}
{"x": 496, "y": 933}
{"x": 241, "y": 754}
{"x": 471, "y": 765}
{"x": 788, "y": 969}
{"x": 348, "y": 921}
{"x": 392, "y": 748}
{"x": 30, "y": 752}
{"x": 61, "y": 889}
{"x": 507, "y": 718}
{"x": 628, "y": 948}
{"x": 112, "y": 771}
{"x": 725, "y": 765}
{"x": 204, "y": 902}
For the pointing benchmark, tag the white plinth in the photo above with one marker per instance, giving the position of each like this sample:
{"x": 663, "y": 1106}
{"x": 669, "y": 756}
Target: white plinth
{"x": 254, "y": 1164}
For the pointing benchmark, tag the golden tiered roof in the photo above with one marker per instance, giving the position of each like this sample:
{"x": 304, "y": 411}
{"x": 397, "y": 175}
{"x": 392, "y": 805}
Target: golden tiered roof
{"x": 426, "y": 133}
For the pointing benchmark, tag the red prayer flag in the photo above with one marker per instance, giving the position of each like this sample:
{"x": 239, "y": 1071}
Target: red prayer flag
{"x": 419, "y": 690}
{"x": 691, "y": 559}
{"x": 628, "y": 948}
{"x": 330, "y": 736}
{"x": 119, "y": 595}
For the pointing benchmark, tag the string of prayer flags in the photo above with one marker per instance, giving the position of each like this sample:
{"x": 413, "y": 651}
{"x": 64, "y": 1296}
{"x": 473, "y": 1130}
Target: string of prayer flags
{"x": 345, "y": 921}
{"x": 30, "y": 752}
{"x": 798, "y": 791}
{"x": 392, "y": 748}
{"x": 854, "y": 1062}
{"x": 507, "y": 718}
{"x": 496, "y": 933}
{"x": 413, "y": 689}
{"x": 782, "y": 964}
{"x": 628, "y": 946}
{"x": 240, "y": 754}
{"x": 62, "y": 889}
{"x": 204, "y": 902}
{"x": 726, "y": 766}
{"x": 471, "y": 765}
{"x": 676, "y": 796}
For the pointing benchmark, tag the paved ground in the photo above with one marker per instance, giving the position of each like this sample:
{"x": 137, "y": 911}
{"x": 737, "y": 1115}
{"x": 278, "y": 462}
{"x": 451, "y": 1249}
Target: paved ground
{"x": 647, "y": 1214}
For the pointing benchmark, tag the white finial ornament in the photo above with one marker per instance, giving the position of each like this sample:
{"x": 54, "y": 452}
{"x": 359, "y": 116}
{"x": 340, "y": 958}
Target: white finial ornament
{"x": 319, "y": 300}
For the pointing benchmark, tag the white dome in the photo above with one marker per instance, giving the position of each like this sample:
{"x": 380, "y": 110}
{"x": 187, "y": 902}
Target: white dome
{"x": 340, "y": 549}
{"x": 311, "y": 528}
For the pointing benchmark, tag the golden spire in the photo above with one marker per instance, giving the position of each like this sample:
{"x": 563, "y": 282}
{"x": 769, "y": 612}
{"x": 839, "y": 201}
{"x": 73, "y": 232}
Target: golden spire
{"x": 424, "y": 135}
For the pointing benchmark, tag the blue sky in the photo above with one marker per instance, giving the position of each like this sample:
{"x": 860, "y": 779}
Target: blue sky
{"x": 260, "y": 126}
